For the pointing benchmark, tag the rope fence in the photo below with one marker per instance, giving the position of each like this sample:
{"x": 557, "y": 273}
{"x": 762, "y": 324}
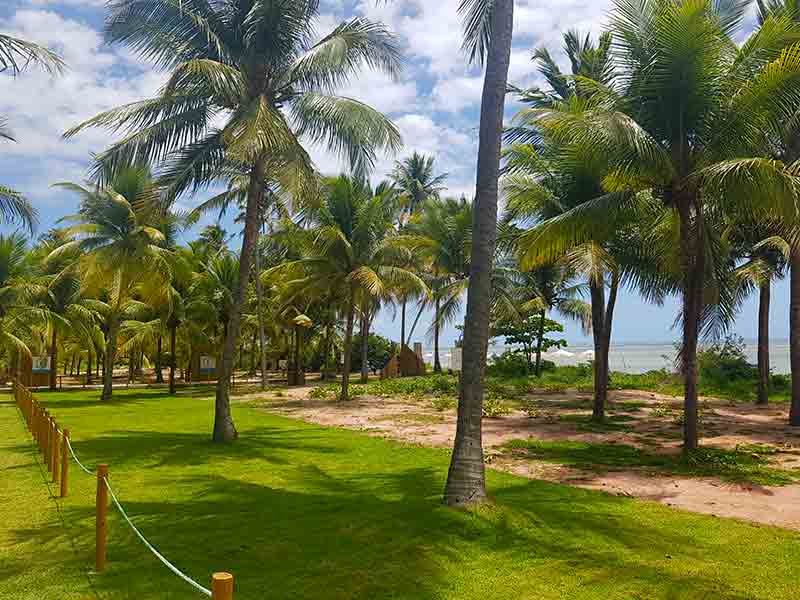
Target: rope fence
{"x": 54, "y": 443}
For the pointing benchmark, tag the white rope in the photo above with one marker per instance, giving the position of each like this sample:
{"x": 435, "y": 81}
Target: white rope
{"x": 160, "y": 557}
{"x": 75, "y": 456}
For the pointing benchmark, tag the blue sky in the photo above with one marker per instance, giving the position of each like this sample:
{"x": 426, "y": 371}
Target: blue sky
{"x": 435, "y": 104}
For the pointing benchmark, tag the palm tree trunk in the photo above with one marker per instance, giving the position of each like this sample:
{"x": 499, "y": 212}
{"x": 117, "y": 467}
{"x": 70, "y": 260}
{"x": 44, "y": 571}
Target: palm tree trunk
{"x": 437, "y": 365}
{"x": 108, "y": 361}
{"x": 89, "y": 367}
{"x": 364, "y": 346}
{"x": 53, "y": 360}
{"x": 597, "y": 293}
{"x": 794, "y": 335}
{"x": 224, "y": 429}
{"x": 539, "y": 341}
{"x": 764, "y": 294}
{"x": 159, "y": 374}
{"x": 348, "y": 347}
{"x": 403, "y": 324}
{"x": 262, "y": 336}
{"x": 172, "y": 335}
{"x": 466, "y": 478}
{"x": 693, "y": 257}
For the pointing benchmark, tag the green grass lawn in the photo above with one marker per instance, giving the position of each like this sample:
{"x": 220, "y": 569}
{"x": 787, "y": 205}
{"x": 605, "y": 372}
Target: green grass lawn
{"x": 302, "y": 511}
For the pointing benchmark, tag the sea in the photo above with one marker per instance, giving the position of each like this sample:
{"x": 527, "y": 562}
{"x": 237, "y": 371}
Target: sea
{"x": 630, "y": 357}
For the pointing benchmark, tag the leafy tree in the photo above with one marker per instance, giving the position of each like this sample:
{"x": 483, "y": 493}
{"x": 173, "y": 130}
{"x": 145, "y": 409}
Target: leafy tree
{"x": 246, "y": 84}
{"x": 379, "y": 351}
{"x": 531, "y": 333}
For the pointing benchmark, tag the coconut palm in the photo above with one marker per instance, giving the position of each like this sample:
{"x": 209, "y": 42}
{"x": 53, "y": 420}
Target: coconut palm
{"x": 247, "y": 81}
{"x": 16, "y": 55}
{"x": 15, "y": 290}
{"x": 488, "y": 29}
{"x": 116, "y": 237}
{"x": 547, "y": 178}
{"x": 351, "y": 252}
{"x": 690, "y": 105}
{"x": 416, "y": 181}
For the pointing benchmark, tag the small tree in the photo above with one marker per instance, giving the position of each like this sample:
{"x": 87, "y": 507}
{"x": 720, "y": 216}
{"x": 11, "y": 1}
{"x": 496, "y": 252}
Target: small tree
{"x": 531, "y": 334}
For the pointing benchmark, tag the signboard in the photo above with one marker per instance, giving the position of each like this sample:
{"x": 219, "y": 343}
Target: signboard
{"x": 455, "y": 359}
{"x": 41, "y": 364}
{"x": 208, "y": 364}
{"x": 282, "y": 365}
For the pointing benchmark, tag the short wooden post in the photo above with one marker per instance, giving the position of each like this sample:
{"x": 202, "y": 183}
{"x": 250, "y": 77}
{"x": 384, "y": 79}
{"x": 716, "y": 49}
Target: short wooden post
{"x": 222, "y": 586}
{"x": 101, "y": 509}
{"x": 64, "y": 463}
{"x": 56, "y": 464}
{"x": 45, "y": 438}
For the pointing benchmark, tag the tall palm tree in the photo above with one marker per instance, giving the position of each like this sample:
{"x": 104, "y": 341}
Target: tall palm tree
{"x": 785, "y": 147}
{"x": 119, "y": 247}
{"x": 15, "y": 290}
{"x": 352, "y": 251}
{"x": 547, "y": 178}
{"x": 443, "y": 232}
{"x": 689, "y": 106}
{"x": 416, "y": 181}
{"x": 255, "y": 68}
{"x": 15, "y": 56}
{"x": 488, "y": 32}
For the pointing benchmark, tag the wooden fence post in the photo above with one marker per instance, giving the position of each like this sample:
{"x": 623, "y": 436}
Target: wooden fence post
{"x": 222, "y": 586}
{"x": 34, "y": 423}
{"x": 55, "y": 463}
{"x": 64, "y": 463}
{"x": 101, "y": 509}
{"x": 45, "y": 418}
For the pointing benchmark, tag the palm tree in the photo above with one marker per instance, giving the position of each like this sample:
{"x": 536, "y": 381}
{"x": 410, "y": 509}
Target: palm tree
{"x": 351, "y": 252}
{"x": 118, "y": 245}
{"x": 443, "y": 231}
{"x": 253, "y": 65}
{"x": 15, "y": 56}
{"x": 690, "y": 105}
{"x": 416, "y": 181}
{"x": 488, "y": 32}
{"x": 547, "y": 178}
{"x": 15, "y": 289}
{"x": 785, "y": 147}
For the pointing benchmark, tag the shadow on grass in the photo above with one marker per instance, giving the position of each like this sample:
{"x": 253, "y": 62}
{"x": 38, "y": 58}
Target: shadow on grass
{"x": 731, "y": 465}
{"x": 386, "y": 535}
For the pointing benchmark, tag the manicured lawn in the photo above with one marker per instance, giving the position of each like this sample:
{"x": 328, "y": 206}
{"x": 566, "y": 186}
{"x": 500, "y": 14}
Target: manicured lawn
{"x": 301, "y": 511}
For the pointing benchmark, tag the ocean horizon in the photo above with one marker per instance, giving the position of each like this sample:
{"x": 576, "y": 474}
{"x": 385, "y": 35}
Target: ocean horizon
{"x": 631, "y": 357}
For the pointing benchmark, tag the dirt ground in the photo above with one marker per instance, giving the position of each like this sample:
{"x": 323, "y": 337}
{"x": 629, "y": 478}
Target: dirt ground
{"x": 643, "y": 419}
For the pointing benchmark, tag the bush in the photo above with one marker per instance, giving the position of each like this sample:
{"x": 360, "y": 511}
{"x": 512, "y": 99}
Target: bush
{"x": 379, "y": 351}
{"x": 494, "y": 407}
{"x": 443, "y": 403}
{"x": 724, "y": 362}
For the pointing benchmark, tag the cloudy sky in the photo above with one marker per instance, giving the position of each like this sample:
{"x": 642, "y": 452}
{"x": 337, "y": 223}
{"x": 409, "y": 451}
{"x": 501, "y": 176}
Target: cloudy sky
{"x": 435, "y": 104}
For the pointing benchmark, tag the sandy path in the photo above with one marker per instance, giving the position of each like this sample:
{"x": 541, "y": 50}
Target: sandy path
{"x": 417, "y": 422}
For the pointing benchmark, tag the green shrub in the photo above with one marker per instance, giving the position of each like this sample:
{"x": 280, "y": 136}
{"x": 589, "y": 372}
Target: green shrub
{"x": 443, "y": 403}
{"x": 725, "y": 362}
{"x": 494, "y": 407}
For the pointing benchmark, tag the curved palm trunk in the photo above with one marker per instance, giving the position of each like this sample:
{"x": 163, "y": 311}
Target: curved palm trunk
{"x": 437, "y": 365}
{"x": 348, "y": 348}
{"x": 466, "y": 480}
{"x": 403, "y": 324}
{"x": 159, "y": 374}
{"x": 53, "y": 375}
{"x": 224, "y": 429}
{"x": 172, "y": 334}
{"x": 764, "y": 293}
{"x": 108, "y": 361}
{"x": 794, "y": 335}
